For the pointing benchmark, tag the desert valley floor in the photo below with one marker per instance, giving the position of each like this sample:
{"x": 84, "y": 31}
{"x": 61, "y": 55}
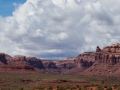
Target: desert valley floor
{"x": 99, "y": 70}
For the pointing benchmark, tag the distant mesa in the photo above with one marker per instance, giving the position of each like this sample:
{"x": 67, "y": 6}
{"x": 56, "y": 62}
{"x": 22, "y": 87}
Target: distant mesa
{"x": 104, "y": 61}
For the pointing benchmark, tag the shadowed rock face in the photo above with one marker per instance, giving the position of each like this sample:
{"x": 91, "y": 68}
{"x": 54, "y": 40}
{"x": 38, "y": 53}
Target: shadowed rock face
{"x": 66, "y": 65}
{"x": 98, "y": 49}
{"x": 32, "y": 61}
{"x": 35, "y": 62}
{"x": 2, "y": 58}
{"x": 50, "y": 65}
{"x": 58, "y": 66}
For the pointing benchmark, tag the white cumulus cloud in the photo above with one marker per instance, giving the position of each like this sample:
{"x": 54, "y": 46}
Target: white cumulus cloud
{"x": 60, "y": 28}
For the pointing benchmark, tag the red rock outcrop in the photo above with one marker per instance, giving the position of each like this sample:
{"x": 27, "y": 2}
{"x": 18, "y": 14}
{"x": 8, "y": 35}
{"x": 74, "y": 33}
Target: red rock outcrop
{"x": 20, "y": 66}
{"x": 104, "y": 61}
{"x": 19, "y": 58}
{"x": 98, "y": 49}
{"x": 8, "y": 63}
{"x": 85, "y": 60}
{"x": 31, "y": 61}
{"x": 109, "y": 54}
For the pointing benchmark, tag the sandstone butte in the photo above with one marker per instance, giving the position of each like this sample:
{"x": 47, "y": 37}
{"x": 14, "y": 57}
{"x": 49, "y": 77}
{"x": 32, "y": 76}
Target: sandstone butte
{"x": 104, "y": 61}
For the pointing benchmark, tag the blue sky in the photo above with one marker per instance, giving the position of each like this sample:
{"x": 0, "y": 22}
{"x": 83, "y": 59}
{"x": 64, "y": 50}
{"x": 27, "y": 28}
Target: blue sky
{"x": 7, "y": 7}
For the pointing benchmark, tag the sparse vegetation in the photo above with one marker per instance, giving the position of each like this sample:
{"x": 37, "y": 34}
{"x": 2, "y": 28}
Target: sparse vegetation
{"x": 31, "y": 81}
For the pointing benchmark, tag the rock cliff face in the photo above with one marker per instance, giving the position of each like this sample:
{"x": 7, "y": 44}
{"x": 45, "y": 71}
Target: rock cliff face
{"x": 65, "y": 64}
{"x": 31, "y": 61}
{"x": 35, "y": 62}
{"x": 109, "y": 54}
{"x": 85, "y": 60}
{"x": 105, "y": 61}
{"x": 8, "y": 63}
{"x": 2, "y": 58}
{"x": 20, "y": 66}
{"x": 49, "y": 64}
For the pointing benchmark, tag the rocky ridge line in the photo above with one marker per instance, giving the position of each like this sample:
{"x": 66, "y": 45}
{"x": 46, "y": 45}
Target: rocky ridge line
{"x": 104, "y": 61}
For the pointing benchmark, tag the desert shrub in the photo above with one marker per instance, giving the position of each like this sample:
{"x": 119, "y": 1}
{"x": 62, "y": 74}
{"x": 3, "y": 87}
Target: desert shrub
{"x": 105, "y": 86}
{"x": 77, "y": 85}
{"x": 109, "y": 88}
{"x": 93, "y": 85}
{"x": 21, "y": 88}
{"x": 41, "y": 88}
{"x": 74, "y": 87}
{"x": 5, "y": 89}
{"x": 118, "y": 88}
{"x": 102, "y": 82}
{"x": 115, "y": 86}
{"x": 79, "y": 88}
{"x": 50, "y": 88}
{"x": 99, "y": 87}
{"x": 38, "y": 88}
{"x": 61, "y": 88}
{"x": 83, "y": 87}
{"x": 68, "y": 87}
